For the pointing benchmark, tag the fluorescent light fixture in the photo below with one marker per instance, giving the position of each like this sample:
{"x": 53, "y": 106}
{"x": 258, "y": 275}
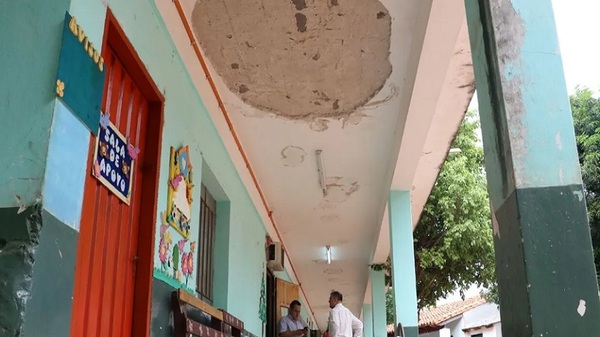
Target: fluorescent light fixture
{"x": 328, "y": 254}
{"x": 455, "y": 150}
{"x": 321, "y": 171}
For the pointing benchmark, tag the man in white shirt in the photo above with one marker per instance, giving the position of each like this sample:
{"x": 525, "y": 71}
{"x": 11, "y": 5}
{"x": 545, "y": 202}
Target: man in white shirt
{"x": 342, "y": 323}
{"x": 292, "y": 325}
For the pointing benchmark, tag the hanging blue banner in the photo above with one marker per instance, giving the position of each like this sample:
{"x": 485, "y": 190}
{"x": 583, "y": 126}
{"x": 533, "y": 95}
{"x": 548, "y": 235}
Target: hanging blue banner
{"x": 113, "y": 164}
{"x": 80, "y": 76}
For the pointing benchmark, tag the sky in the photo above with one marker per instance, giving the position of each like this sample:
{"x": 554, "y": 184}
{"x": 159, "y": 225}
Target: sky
{"x": 578, "y": 26}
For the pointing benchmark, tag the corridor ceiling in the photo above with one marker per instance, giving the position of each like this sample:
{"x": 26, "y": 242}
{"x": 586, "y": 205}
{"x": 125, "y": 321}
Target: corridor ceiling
{"x": 379, "y": 87}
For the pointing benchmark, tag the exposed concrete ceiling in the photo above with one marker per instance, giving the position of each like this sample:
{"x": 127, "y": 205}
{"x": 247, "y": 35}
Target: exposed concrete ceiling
{"x": 299, "y": 58}
{"x": 390, "y": 130}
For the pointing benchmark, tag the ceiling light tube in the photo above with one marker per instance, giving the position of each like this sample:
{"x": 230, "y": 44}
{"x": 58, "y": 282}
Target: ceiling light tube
{"x": 328, "y": 254}
{"x": 321, "y": 171}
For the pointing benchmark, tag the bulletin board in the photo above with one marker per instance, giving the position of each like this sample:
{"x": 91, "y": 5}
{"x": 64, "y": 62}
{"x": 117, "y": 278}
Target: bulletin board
{"x": 179, "y": 196}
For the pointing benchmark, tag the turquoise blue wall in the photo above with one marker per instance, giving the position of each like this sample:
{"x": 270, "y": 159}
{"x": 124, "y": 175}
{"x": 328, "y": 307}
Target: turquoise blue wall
{"x": 32, "y": 241}
{"x": 44, "y": 135}
{"x": 30, "y": 37}
{"x": 367, "y": 318}
{"x": 532, "y": 51}
{"x": 187, "y": 122}
{"x": 539, "y": 53}
{"x": 378, "y": 303}
{"x": 403, "y": 263}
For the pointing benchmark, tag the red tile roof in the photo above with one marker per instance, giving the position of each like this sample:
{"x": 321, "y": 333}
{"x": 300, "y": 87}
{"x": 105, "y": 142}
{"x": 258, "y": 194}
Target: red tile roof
{"x": 430, "y": 318}
{"x": 433, "y": 316}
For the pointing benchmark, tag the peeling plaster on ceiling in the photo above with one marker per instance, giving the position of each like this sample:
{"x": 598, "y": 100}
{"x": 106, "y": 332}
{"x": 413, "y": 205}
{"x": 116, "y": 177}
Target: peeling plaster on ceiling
{"x": 330, "y": 218}
{"x": 333, "y": 271}
{"x": 353, "y": 118}
{"x": 292, "y": 156}
{"x": 325, "y": 205}
{"x": 319, "y": 124}
{"x": 339, "y": 189}
{"x": 393, "y": 92}
{"x": 362, "y": 143}
{"x": 300, "y": 59}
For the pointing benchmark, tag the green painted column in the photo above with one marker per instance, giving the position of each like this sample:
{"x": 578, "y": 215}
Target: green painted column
{"x": 367, "y": 320}
{"x": 546, "y": 275}
{"x": 403, "y": 262}
{"x": 30, "y": 36}
{"x": 378, "y": 302}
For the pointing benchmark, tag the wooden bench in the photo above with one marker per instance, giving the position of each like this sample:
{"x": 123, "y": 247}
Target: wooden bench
{"x": 222, "y": 324}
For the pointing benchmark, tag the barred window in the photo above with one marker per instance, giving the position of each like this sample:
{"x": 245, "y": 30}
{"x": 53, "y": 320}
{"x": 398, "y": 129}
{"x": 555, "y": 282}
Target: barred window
{"x": 206, "y": 244}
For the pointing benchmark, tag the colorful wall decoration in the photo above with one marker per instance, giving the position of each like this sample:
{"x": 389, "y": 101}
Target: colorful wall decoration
{"x": 262, "y": 306}
{"x": 113, "y": 160}
{"x": 175, "y": 261}
{"x": 179, "y": 197}
{"x": 80, "y": 76}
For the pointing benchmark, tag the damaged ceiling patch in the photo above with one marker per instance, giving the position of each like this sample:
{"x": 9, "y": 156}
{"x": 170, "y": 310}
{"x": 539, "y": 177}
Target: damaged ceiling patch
{"x": 292, "y": 156}
{"x": 298, "y": 59}
{"x": 339, "y": 189}
{"x": 330, "y": 218}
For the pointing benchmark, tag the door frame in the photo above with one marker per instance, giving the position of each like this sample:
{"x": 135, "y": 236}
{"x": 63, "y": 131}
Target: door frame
{"x": 272, "y": 326}
{"x": 115, "y": 36}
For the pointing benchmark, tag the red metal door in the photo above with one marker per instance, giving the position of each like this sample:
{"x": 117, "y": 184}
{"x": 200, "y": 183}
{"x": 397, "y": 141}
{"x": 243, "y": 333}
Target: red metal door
{"x": 103, "y": 302}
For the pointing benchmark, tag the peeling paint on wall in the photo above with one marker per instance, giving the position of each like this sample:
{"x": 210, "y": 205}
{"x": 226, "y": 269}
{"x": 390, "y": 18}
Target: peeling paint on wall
{"x": 18, "y": 242}
{"x": 495, "y": 226}
{"x": 581, "y": 308}
{"x": 298, "y": 59}
{"x": 510, "y": 35}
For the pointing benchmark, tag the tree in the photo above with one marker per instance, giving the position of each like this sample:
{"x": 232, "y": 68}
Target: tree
{"x": 389, "y": 306}
{"x": 586, "y": 120}
{"x": 454, "y": 246}
{"x": 453, "y": 238}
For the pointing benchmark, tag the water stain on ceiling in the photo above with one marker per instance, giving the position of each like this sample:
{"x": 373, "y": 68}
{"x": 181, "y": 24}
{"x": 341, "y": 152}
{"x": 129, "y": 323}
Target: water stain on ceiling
{"x": 339, "y": 189}
{"x": 292, "y": 156}
{"x": 300, "y": 59}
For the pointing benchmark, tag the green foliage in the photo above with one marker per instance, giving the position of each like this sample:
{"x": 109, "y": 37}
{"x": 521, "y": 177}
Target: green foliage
{"x": 453, "y": 239}
{"x": 387, "y": 267}
{"x": 491, "y": 294}
{"x": 454, "y": 246}
{"x": 389, "y": 306}
{"x": 586, "y": 120}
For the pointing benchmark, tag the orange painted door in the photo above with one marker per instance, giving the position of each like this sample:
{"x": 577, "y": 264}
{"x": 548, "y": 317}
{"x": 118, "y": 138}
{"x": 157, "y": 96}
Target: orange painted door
{"x": 103, "y": 302}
